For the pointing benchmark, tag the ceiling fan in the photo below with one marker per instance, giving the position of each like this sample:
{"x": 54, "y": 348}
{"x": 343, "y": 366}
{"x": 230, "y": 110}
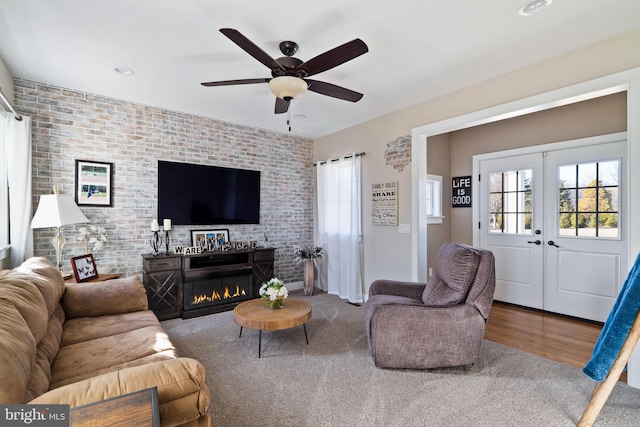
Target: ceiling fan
{"x": 290, "y": 75}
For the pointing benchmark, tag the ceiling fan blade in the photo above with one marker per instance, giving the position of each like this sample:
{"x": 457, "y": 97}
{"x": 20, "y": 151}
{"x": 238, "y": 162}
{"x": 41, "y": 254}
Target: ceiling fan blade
{"x": 334, "y": 91}
{"x": 253, "y": 50}
{"x": 235, "y": 82}
{"x": 282, "y": 106}
{"x": 334, "y": 57}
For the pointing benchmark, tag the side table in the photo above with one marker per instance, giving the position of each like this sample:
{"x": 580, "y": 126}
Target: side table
{"x": 139, "y": 409}
{"x": 100, "y": 278}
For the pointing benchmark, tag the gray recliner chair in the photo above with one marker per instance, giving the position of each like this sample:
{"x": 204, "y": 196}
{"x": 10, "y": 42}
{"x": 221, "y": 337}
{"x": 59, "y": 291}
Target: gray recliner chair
{"x": 437, "y": 324}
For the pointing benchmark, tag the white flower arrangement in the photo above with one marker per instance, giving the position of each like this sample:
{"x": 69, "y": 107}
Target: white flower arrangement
{"x": 273, "y": 289}
{"x": 98, "y": 241}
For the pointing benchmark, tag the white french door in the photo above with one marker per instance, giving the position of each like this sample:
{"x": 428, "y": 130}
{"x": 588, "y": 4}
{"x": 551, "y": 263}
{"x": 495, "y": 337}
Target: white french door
{"x": 511, "y": 226}
{"x": 555, "y": 224}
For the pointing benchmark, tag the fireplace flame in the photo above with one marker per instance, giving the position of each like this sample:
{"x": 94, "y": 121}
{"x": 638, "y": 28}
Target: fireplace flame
{"x": 215, "y": 295}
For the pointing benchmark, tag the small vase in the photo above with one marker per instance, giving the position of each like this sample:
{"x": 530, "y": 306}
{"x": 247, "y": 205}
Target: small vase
{"x": 276, "y": 303}
{"x": 309, "y": 276}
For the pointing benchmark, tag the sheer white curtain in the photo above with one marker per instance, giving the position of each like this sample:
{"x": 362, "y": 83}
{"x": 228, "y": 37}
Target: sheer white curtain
{"x": 15, "y": 179}
{"x": 339, "y": 227}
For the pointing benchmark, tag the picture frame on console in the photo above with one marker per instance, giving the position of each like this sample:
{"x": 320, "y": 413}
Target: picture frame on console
{"x": 210, "y": 240}
{"x": 84, "y": 268}
{"x": 93, "y": 184}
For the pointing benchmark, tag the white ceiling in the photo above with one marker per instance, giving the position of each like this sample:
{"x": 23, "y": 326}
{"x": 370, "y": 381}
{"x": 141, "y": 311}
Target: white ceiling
{"x": 418, "y": 49}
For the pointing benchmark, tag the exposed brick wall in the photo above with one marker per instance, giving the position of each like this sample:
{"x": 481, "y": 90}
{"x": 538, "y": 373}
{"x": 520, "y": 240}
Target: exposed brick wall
{"x": 69, "y": 125}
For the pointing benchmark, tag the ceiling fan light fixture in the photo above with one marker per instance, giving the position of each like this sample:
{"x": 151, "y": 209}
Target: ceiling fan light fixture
{"x": 287, "y": 87}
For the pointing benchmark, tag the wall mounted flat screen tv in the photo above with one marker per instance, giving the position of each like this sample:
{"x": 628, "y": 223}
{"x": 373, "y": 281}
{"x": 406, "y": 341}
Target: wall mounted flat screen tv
{"x": 191, "y": 194}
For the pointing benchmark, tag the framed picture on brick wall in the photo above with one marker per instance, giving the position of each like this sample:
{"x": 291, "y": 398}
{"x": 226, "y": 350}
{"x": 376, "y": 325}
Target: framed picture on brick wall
{"x": 93, "y": 183}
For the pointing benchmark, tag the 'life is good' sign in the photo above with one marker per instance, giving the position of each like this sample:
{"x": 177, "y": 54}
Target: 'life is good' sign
{"x": 461, "y": 192}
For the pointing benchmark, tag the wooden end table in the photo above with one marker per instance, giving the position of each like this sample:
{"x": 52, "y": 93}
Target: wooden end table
{"x": 254, "y": 314}
{"x": 139, "y": 409}
{"x": 100, "y": 278}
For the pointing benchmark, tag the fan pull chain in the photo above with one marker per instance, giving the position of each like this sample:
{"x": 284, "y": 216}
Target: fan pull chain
{"x": 289, "y": 117}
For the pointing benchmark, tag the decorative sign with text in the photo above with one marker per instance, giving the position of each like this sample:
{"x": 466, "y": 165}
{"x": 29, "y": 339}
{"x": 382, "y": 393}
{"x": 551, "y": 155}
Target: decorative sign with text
{"x": 461, "y": 192}
{"x": 384, "y": 200}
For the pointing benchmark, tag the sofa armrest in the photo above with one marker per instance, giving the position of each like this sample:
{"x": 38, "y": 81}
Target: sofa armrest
{"x": 398, "y": 288}
{"x": 116, "y": 296}
{"x": 183, "y": 395}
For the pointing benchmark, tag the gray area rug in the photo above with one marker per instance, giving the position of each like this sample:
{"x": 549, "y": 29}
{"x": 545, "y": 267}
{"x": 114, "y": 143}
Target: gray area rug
{"x": 333, "y": 381}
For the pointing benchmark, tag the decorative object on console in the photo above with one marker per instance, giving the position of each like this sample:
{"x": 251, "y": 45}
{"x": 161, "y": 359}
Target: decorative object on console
{"x": 275, "y": 292}
{"x": 156, "y": 239}
{"x": 98, "y": 241}
{"x": 84, "y": 268}
{"x": 241, "y": 246}
{"x": 311, "y": 256}
{"x": 211, "y": 240}
{"x": 93, "y": 183}
{"x": 57, "y": 210}
{"x": 167, "y": 237}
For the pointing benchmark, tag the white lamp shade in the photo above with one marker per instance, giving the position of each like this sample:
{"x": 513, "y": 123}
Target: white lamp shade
{"x": 287, "y": 87}
{"x": 56, "y": 210}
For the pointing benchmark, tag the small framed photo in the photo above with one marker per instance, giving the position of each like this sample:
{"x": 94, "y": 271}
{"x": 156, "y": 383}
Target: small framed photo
{"x": 84, "y": 268}
{"x": 93, "y": 183}
{"x": 210, "y": 239}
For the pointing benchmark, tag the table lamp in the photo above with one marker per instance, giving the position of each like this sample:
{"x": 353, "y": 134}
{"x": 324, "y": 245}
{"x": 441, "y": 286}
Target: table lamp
{"x": 57, "y": 210}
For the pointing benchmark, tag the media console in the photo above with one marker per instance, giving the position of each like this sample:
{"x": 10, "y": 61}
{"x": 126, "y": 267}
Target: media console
{"x": 195, "y": 285}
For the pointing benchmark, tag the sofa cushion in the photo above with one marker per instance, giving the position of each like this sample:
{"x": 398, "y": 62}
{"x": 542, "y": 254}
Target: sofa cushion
{"x": 46, "y": 277}
{"x": 27, "y": 299}
{"x": 17, "y": 354}
{"x": 33, "y": 290}
{"x": 456, "y": 267}
{"x": 45, "y": 355}
{"x": 90, "y": 358}
{"x": 114, "y": 296}
{"x": 89, "y": 328}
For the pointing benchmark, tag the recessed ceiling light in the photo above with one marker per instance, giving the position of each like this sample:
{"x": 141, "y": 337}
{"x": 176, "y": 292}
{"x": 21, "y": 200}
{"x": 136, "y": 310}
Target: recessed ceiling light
{"x": 299, "y": 116}
{"x": 533, "y": 6}
{"x": 125, "y": 71}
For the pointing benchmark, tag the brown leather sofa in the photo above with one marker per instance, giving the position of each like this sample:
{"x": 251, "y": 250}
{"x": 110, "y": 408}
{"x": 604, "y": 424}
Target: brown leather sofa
{"x": 81, "y": 343}
{"x": 436, "y": 324}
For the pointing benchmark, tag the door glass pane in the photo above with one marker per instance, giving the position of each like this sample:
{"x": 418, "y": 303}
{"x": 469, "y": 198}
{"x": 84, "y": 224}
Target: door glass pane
{"x": 589, "y": 206}
{"x": 587, "y": 175}
{"x": 568, "y": 176}
{"x": 510, "y": 202}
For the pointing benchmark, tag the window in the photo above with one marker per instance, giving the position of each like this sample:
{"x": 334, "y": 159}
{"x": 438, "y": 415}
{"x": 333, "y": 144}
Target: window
{"x": 588, "y": 199}
{"x": 434, "y": 199}
{"x": 510, "y": 202}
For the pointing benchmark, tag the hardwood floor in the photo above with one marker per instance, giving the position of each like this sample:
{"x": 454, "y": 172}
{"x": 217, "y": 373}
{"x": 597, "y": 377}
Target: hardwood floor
{"x": 556, "y": 337}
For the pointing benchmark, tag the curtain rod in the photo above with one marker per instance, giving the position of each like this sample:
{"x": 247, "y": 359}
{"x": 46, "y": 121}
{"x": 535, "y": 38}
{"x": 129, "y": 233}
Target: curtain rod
{"x": 8, "y": 104}
{"x": 345, "y": 157}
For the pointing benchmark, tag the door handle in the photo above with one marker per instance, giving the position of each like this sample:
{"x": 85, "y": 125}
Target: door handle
{"x": 552, "y": 243}
{"x": 537, "y": 242}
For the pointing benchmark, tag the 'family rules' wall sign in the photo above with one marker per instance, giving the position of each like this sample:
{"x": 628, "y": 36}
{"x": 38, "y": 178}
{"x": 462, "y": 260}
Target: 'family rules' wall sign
{"x": 384, "y": 200}
{"x": 461, "y": 192}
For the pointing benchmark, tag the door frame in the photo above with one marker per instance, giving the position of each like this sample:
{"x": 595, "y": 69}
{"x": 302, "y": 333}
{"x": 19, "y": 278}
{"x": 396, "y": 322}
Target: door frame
{"x": 476, "y": 188}
{"x": 626, "y": 81}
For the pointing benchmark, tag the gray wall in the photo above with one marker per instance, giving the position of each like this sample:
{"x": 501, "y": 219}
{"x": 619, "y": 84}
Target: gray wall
{"x": 70, "y": 125}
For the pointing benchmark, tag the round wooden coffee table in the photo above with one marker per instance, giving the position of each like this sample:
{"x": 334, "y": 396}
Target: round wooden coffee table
{"x": 254, "y": 314}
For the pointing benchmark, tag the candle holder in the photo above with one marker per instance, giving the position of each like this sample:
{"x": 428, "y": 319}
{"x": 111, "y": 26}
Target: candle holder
{"x": 156, "y": 243}
{"x": 167, "y": 241}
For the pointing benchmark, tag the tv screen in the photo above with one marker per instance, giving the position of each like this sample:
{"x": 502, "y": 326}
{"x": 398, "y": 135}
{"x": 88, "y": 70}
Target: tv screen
{"x": 192, "y": 194}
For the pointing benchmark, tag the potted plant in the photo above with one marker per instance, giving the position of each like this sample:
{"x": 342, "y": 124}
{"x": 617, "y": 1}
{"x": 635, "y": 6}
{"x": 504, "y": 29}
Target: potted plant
{"x": 274, "y": 292}
{"x": 311, "y": 256}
